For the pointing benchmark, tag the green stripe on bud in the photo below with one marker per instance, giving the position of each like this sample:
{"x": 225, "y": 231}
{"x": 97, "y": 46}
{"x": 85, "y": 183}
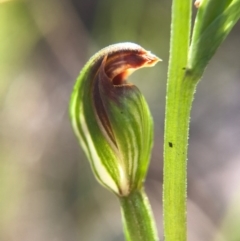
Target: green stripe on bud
{"x": 111, "y": 118}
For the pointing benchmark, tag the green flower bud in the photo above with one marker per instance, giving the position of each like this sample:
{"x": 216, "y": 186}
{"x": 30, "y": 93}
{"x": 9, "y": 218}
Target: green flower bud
{"x": 111, "y": 118}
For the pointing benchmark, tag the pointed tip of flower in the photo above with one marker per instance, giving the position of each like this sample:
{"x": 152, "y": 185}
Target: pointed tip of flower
{"x": 152, "y": 59}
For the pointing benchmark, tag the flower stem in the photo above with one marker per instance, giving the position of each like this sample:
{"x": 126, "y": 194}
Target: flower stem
{"x": 180, "y": 90}
{"x": 137, "y": 217}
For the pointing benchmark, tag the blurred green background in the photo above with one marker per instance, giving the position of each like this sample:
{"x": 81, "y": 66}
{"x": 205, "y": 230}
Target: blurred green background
{"x": 47, "y": 190}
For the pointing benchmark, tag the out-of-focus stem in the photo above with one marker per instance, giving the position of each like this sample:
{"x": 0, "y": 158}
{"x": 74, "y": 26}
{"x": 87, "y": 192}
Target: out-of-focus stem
{"x": 137, "y": 217}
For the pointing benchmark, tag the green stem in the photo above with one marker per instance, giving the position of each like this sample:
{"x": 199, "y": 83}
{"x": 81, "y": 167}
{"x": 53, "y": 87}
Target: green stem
{"x": 180, "y": 90}
{"x": 137, "y": 217}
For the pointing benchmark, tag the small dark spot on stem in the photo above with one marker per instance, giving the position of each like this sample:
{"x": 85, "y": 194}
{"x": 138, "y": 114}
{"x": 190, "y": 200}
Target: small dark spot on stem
{"x": 170, "y": 144}
{"x": 183, "y": 68}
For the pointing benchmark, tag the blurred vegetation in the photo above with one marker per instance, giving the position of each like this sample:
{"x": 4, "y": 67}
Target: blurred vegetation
{"x": 18, "y": 36}
{"x": 46, "y": 186}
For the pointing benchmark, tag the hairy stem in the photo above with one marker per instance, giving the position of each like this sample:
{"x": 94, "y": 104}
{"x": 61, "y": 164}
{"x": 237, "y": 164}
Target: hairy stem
{"x": 180, "y": 90}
